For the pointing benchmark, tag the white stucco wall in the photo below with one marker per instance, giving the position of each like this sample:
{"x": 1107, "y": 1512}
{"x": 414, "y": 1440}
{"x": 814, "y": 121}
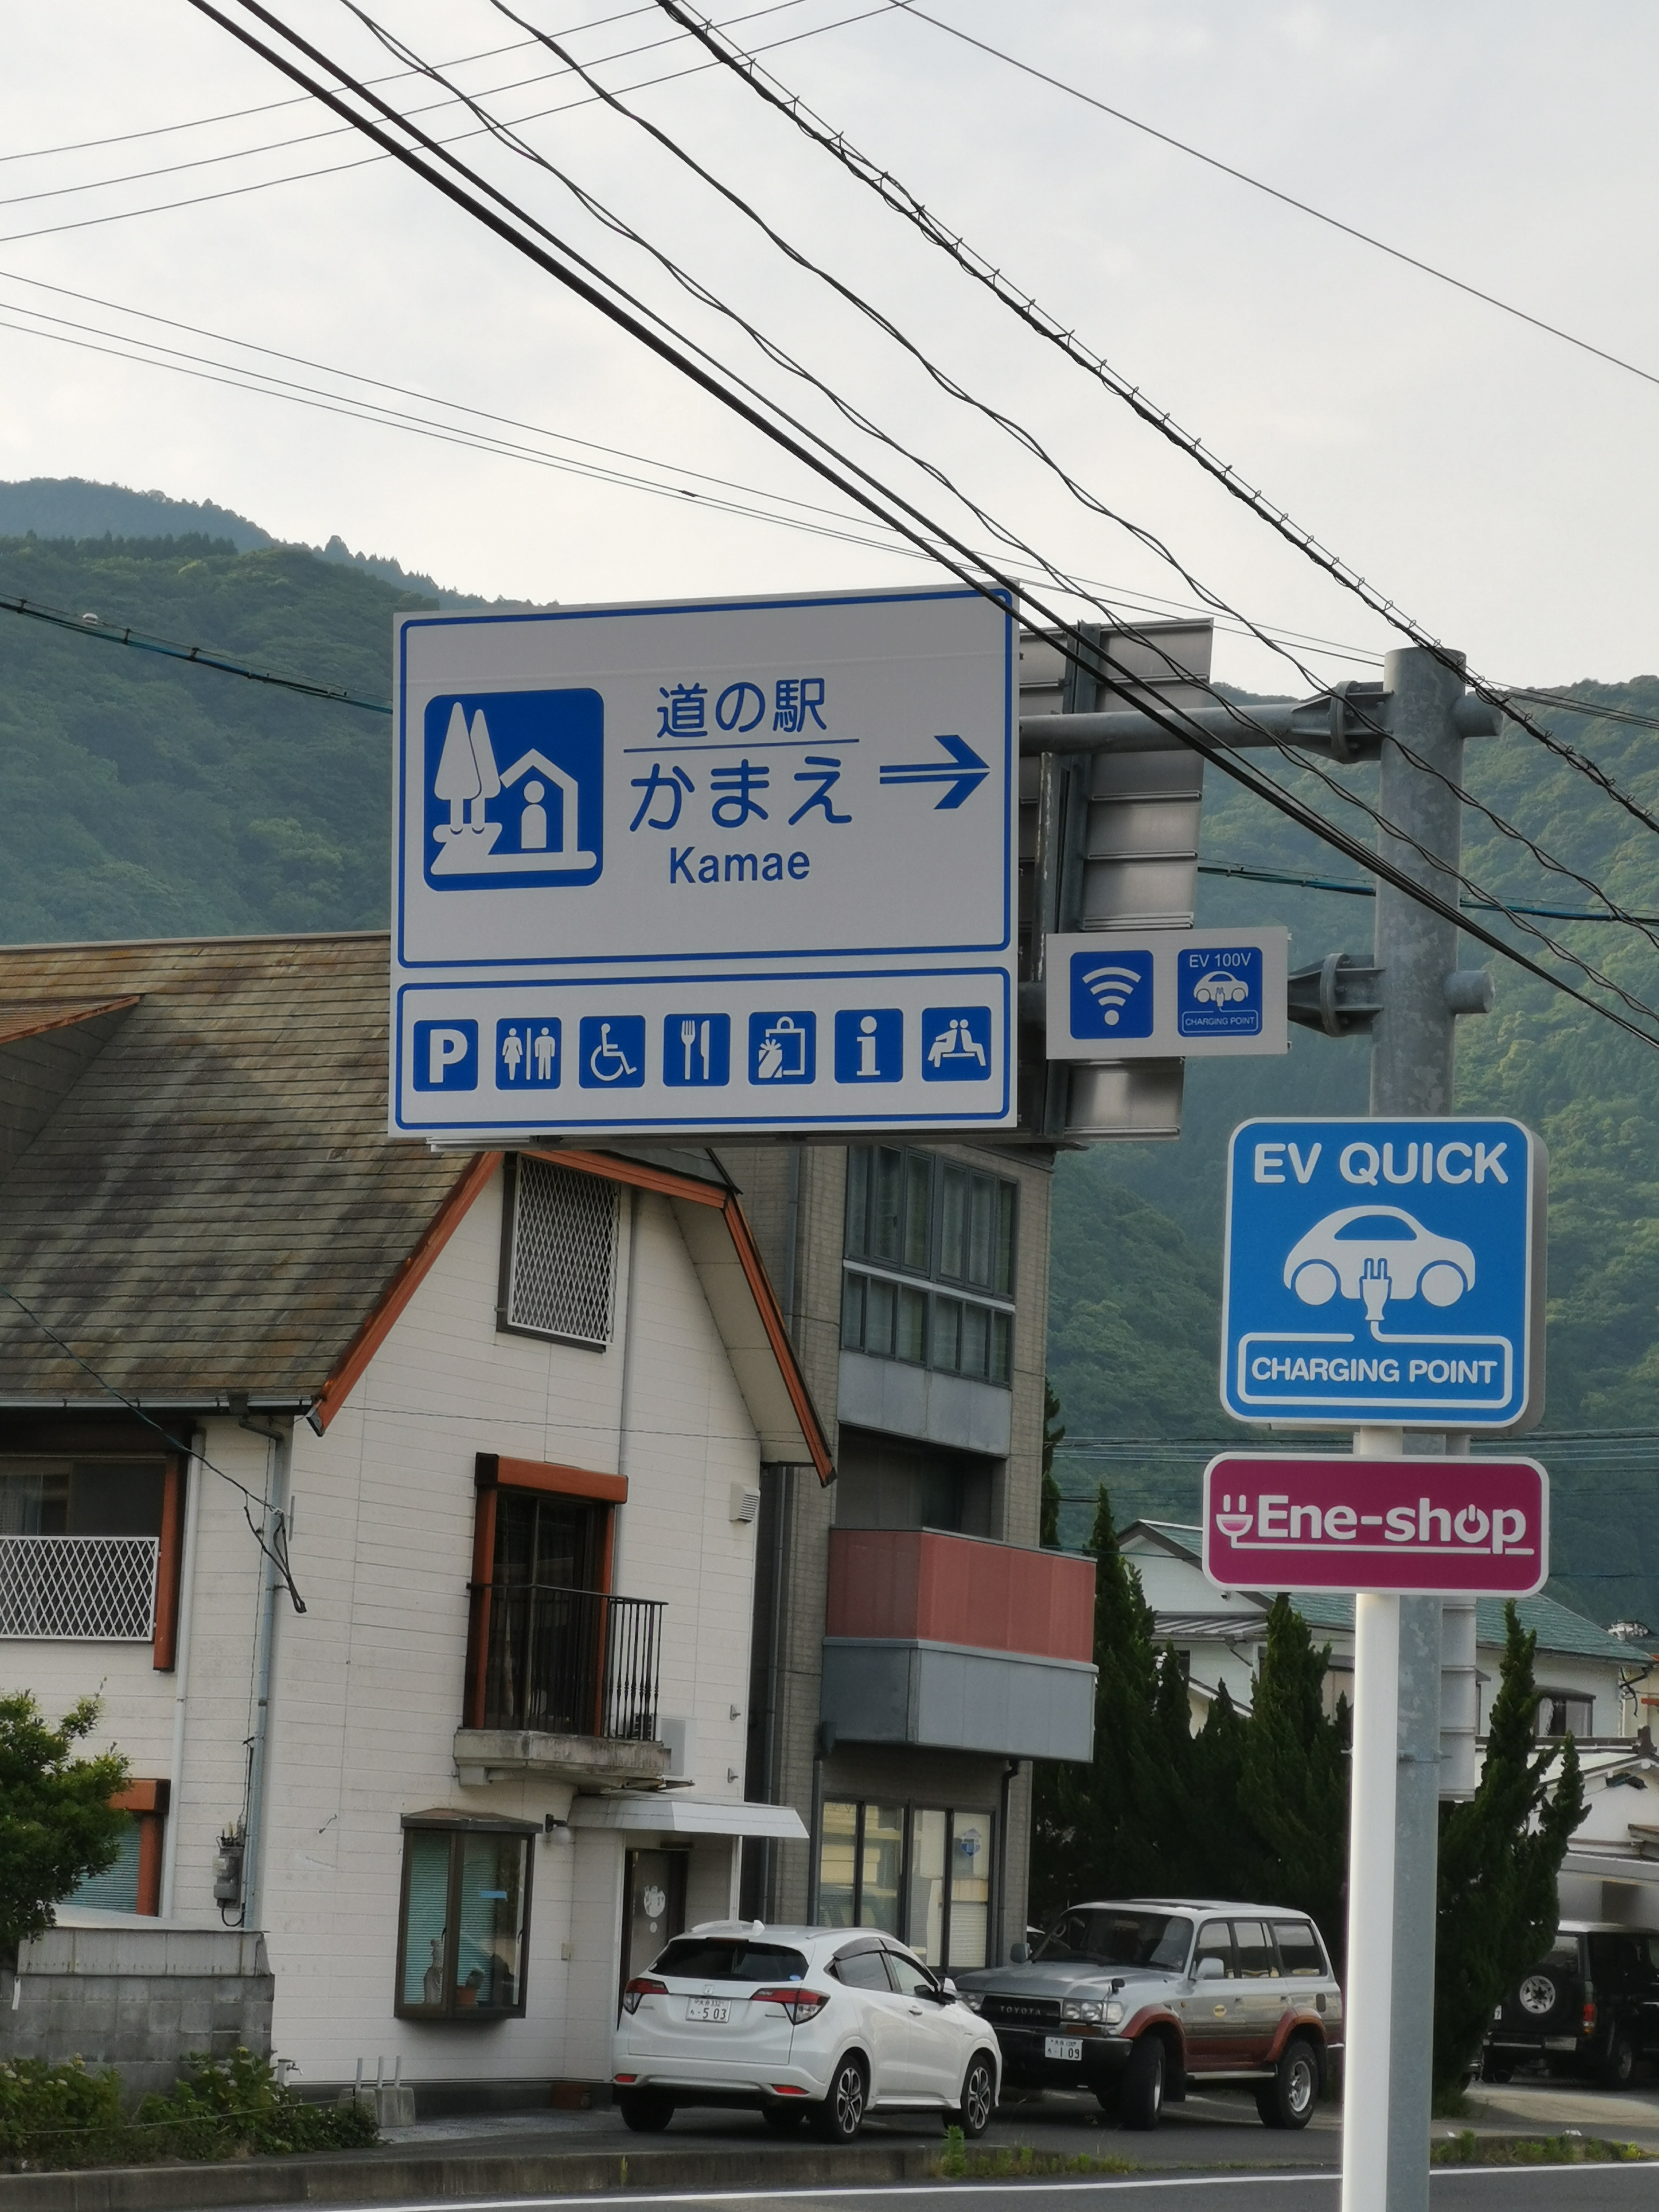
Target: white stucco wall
{"x": 367, "y": 1683}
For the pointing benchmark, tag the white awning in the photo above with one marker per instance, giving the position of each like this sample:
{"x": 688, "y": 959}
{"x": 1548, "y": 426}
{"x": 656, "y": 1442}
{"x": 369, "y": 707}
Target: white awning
{"x": 672, "y": 1812}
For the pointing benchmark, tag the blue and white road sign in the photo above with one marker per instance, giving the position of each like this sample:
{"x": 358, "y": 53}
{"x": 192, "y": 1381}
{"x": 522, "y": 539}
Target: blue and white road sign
{"x": 1384, "y": 1271}
{"x": 722, "y": 812}
{"x": 1166, "y": 994}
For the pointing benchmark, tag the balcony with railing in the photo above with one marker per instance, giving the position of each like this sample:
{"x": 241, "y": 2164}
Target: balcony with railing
{"x": 79, "y": 1589}
{"x": 936, "y": 1638}
{"x": 563, "y": 1683}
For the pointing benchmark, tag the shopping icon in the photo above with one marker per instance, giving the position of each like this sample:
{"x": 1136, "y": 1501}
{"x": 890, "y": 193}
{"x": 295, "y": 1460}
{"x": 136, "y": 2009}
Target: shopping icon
{"x": 956, "y": 1044}
{"x": 612, "y": 1052}
{"x": 527, "y": 1054}
{"x": 783, "y": 1048}
{"x": 696, "y": 1050}
{"x": 870, "y": 1045}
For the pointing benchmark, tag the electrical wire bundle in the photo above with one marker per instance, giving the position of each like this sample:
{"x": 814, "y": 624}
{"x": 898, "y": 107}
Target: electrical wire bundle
{"x": 399, "y": 134}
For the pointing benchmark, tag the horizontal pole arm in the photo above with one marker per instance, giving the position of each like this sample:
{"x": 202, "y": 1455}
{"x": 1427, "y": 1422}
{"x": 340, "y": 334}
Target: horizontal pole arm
{"x": 1345, "y": 727}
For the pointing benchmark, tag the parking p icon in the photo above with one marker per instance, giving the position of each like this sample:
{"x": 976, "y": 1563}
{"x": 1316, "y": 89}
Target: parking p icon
{"x": 446, "y": 1055}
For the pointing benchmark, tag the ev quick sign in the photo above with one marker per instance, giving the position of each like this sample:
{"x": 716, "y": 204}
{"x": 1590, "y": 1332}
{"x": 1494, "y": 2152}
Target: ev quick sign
{"x": 1385, "y": 1272}
{"x": 714, "y": 866}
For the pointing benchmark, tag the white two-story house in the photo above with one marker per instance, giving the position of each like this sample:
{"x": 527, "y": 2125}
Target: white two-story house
{"x": 399, "y": 1506}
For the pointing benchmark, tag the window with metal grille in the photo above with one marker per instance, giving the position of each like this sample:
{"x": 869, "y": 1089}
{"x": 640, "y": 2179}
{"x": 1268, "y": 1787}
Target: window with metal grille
{"x": 82, "y": 1543}
{"x": 918, "y": 1214}
{"x": 558, "y": 1256}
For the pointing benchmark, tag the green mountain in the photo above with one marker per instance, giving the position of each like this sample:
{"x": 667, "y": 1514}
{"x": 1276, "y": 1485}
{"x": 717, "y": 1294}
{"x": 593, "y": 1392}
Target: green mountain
{"x": 143, "y": 797}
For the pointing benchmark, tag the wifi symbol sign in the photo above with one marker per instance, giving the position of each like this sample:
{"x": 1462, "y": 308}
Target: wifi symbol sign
{"x": 1111, "y": 993}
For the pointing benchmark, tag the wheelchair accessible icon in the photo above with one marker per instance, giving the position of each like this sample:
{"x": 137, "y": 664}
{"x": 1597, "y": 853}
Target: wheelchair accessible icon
{"x": 612, "y": 1052}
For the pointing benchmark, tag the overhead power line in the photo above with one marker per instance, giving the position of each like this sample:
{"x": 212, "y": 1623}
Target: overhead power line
{"x": 1285, "y": 198}
{"x": 264, "y": 107}
{"x": 532, "y": 239}
{"x": 371, "y": 160}
{"x": 903, "y": 202}
{"x": 1353, "y": 889}
{"x": 201, "y": 656}
{"x": 343, "y": 131}
{"x": 773, "y": 352}
{"x": 945, "y": 382}
{"x": 100, "y": 631}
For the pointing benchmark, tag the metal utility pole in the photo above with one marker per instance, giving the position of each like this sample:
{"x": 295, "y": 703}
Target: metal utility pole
{"x": 1393, "y": 1861}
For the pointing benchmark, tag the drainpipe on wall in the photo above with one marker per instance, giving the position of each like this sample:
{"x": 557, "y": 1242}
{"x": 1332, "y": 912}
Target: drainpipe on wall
{"x": 998, "y": 1951}
{"x": 824, "y": 1745}
{"x": 194, "y": 1477}
{"x": 625, "y": 1390}
{"x": 276, "y": 1514}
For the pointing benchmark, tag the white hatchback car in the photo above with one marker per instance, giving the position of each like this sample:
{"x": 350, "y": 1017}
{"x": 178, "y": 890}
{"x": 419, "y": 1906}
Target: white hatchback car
{"x": 819, "y": 2024}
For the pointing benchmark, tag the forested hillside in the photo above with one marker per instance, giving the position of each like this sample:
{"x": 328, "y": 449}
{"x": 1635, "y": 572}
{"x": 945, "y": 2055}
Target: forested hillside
{"x": 140, "y": 797}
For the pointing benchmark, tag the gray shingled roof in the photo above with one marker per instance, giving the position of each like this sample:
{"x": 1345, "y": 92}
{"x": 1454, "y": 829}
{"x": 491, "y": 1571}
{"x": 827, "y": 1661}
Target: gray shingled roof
{"x": 212, "y": 1204}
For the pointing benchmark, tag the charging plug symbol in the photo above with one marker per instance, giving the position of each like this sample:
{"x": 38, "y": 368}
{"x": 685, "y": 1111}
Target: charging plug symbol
{"x": 1375, "y": 1285}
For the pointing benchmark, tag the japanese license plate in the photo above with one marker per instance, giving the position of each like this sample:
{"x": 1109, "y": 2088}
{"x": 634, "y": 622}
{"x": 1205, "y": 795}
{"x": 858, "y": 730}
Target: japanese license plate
{"x": 714, "y": 2008}
{"x": 1064, "y": 2047}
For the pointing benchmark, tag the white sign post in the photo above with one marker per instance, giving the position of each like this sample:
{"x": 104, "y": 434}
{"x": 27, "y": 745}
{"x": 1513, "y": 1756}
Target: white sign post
{"x": 1387, "y": 1273}
{"x": 725, "y": 865}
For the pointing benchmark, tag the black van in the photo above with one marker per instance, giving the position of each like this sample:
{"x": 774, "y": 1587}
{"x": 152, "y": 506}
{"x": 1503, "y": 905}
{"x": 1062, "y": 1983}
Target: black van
{"x": 1591, "y": 2007}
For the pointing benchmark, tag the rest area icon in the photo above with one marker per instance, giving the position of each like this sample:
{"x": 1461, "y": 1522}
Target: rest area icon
{"x": 1385, "y": 1272}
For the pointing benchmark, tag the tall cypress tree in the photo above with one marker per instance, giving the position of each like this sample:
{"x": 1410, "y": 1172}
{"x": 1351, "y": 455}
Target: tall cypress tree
{"x": 1500, "y": 1855}
{"x": 1054, "y": 1433}
{"x": 1293, "y": 1776}
{"x": 1097, "y": 1830}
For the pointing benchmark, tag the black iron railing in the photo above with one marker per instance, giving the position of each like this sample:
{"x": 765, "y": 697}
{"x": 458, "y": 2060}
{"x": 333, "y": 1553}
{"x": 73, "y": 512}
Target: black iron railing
{"x": 566, "y": 1661}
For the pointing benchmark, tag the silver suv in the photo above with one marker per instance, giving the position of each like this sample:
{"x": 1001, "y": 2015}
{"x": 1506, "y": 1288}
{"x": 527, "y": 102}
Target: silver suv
{"x": 1130, "y": 2000}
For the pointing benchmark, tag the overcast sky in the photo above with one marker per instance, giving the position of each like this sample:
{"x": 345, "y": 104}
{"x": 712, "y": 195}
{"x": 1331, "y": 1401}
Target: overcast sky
{"x": 1492, "y": 480}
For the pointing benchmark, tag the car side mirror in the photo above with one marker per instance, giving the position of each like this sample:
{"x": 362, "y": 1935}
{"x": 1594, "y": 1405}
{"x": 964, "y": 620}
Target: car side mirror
{"x": 1210, "y": 1969}
{"x": 1019, "y": 1953}
{"x": 948, "y": 1987}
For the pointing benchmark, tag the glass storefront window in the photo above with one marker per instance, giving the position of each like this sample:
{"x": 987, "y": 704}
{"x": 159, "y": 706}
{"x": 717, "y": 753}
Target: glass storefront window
{"x": 926, "y": 1920}
{"x": 921, "y": 1872}
{"x": 838, "y": 1864}
{"x": 970, "y": 1888}
{"x": 464, "y": 1923}
{"x": 883, "y": 1856}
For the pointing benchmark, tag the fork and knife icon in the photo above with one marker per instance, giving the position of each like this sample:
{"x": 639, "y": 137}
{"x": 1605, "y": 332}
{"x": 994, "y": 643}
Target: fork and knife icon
{"x": 694, "y": 1036}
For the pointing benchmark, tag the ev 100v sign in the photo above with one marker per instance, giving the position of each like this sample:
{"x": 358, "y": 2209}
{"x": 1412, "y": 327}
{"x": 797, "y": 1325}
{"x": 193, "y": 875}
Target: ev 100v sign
{"x": 721, "y": 865}
{"x": 1385, "y": 1272}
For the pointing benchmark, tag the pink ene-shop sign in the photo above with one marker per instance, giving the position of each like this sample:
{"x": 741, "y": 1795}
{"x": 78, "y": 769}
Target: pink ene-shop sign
{"x": 1396, "y": 1526}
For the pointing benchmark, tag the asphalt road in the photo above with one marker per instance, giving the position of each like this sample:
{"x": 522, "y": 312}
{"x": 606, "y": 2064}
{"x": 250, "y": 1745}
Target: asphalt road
{"x": 1496, "y": 2189}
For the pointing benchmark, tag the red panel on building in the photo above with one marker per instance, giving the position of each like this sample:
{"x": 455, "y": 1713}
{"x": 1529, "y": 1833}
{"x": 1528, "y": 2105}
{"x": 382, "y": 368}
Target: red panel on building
{"x": 938, "y": 1589}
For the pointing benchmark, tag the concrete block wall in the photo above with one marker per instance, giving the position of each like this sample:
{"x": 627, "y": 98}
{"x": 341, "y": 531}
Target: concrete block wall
{"x": 142, "y": 2000}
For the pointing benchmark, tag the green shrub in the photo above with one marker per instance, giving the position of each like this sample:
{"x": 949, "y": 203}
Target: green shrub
{"x": 66, "y": 2116}
{"x": 58, "y": 2115}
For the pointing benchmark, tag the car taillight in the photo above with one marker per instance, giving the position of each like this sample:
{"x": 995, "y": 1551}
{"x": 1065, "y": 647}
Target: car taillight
{"x": 799, "y": 2004}
{"x": 1588, "y": 2017}
{"x": 642, "y": 1985}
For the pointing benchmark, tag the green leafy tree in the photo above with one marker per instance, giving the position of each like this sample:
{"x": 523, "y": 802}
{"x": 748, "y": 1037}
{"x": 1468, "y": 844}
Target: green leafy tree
{"x": 1096, "y": 1834}
{"x": 56, "y": 1825}
{"x": 1500, "y": 1855}
{"x": 1053, "y": 1434}
{"x": 1293, "y": 1776}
